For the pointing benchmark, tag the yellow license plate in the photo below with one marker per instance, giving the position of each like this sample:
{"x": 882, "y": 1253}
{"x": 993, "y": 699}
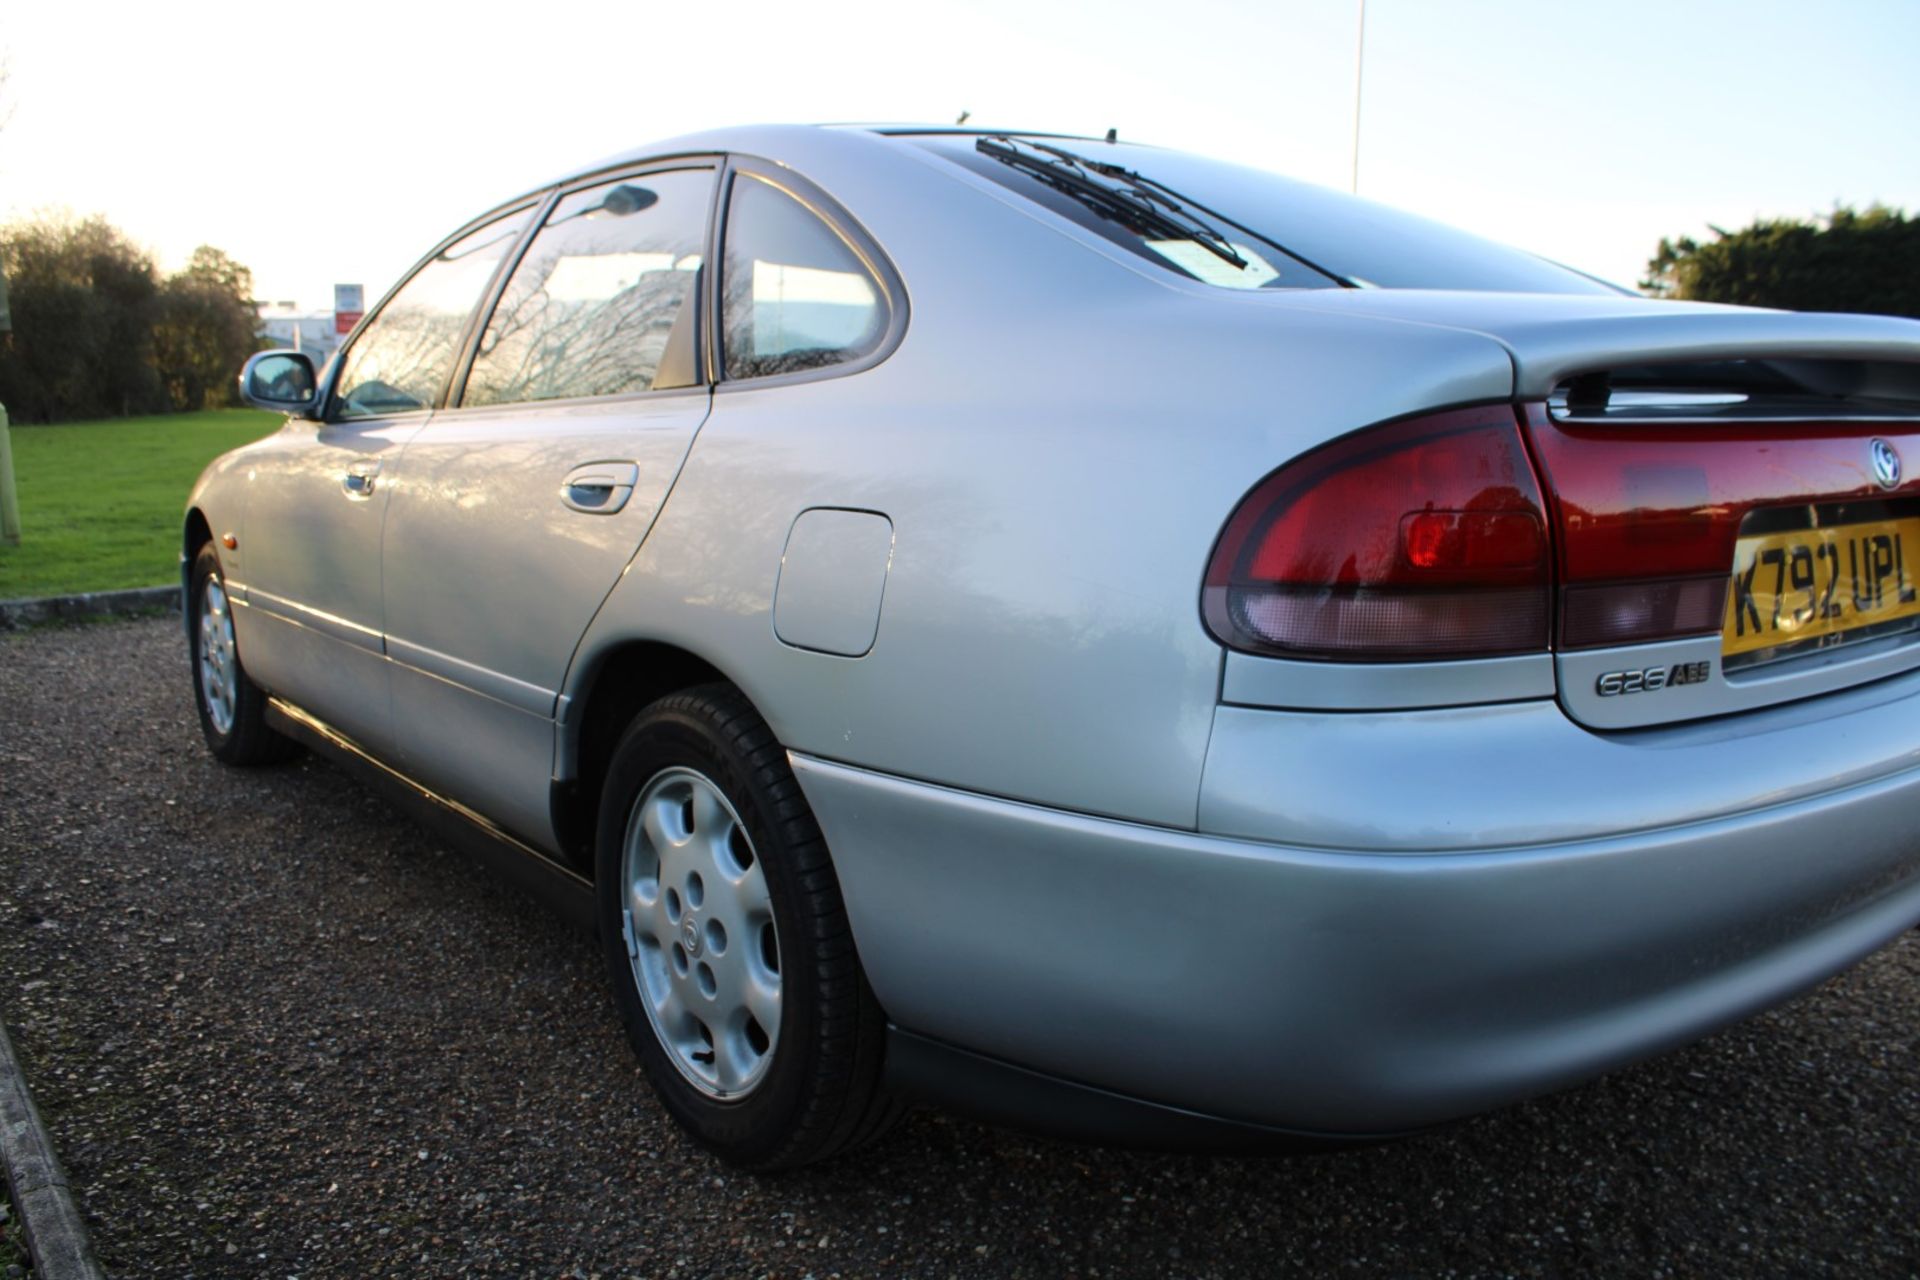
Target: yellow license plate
{"x": 1809, "y": 583}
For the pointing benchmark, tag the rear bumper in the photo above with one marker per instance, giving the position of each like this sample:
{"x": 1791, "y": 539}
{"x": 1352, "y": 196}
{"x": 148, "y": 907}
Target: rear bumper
{"x": 1354, "y": 993}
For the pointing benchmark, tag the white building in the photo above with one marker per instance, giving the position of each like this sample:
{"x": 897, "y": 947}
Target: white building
{"x": 296, "y": 330}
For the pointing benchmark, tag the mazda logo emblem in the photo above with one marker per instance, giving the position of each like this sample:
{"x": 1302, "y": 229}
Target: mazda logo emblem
{"x": 1886, "y": 464}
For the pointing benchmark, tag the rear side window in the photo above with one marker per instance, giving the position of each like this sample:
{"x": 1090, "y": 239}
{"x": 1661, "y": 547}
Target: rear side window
{"x": 794, "y": 294}
{"x": 401, "y": 360}
{"x": 602, "y": 293}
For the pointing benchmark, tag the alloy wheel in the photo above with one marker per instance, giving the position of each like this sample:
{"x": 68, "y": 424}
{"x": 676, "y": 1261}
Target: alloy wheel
{"x": 698, "y": 925}
{"x": 219, "y": 669}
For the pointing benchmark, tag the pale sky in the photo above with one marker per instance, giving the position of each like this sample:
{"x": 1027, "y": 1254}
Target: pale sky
{"x": 326, "y": 143}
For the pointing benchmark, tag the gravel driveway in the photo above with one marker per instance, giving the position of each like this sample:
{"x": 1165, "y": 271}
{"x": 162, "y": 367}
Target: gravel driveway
{"x": 279, "y": 1031}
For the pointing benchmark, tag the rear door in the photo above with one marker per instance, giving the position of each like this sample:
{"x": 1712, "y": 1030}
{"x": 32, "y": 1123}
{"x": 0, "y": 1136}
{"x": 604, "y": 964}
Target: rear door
{"x": 519, "y": 506}
{"x": 318, "y": 492}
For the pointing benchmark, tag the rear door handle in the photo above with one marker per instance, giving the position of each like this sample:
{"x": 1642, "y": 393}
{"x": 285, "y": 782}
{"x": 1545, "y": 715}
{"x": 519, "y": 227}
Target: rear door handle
{"x": 358, "y": 481}
{"x": 599, "y": 488}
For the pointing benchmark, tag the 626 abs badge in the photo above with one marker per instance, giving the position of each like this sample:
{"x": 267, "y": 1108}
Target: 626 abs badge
{"x": 1652, "y": 679}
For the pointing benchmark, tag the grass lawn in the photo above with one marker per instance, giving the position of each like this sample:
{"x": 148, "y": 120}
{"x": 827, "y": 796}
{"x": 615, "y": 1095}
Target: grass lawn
{"x": 101, "y": 502}
{"x": 13, "y": 1249}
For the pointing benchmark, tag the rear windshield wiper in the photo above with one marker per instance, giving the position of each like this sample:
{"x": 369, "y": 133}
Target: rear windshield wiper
{"x": 1143, "y": 205}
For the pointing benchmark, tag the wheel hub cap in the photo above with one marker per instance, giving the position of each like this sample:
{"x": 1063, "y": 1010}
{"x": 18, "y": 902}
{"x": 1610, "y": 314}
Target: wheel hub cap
{"x": 700, "y": 936}
{"x": 219, "y": 669}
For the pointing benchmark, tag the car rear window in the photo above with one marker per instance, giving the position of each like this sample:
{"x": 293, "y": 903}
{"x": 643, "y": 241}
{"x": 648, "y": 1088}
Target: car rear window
{"x": 1308, "y": 236}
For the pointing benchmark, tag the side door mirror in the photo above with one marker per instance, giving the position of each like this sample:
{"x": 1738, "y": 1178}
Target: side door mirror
{"x": 283, "y": 381}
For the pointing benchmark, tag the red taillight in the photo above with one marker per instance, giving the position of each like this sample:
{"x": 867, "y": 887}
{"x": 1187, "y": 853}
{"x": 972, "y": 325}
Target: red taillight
{"x": 1644, "y": 550}
{"x": 1646, "y": 515}
{"x": 1426, "y": 538}
{"x": 1420, "y": 539}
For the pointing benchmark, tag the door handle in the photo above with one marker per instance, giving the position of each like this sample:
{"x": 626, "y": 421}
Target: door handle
{"x": 599, "y": 488}
{"x": 358, "y": 481}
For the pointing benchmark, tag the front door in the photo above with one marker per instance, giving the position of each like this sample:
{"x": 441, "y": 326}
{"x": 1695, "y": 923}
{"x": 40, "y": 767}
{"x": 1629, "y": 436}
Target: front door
{"x": 311, "y": 614}
{"x": 314, "y": 600}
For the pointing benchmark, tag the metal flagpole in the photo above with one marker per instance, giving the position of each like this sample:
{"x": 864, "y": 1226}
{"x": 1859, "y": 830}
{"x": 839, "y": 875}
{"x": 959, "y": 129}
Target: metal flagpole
{"x": 1359, "y": 74}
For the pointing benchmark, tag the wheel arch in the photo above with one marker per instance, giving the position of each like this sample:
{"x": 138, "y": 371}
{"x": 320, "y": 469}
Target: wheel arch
{"x": 195, "y": 534}
{"x": 615, "y": 684}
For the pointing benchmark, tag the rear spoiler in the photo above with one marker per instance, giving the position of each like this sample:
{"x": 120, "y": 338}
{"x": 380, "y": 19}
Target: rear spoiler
{"x": 1550, "y": 351}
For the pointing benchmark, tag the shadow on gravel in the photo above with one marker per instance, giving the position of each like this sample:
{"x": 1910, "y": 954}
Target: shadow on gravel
{"x": 277, "y": 1030}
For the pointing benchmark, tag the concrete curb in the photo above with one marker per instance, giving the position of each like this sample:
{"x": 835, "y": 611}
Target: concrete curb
{"x": 15, "y": 614}
{"x": 56, "y": 1235}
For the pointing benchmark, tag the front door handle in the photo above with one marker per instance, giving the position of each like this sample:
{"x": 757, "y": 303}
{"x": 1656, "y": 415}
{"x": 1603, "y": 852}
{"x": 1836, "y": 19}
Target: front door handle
{"x": 358, "y": 481}
{"x": 599, "y": 488}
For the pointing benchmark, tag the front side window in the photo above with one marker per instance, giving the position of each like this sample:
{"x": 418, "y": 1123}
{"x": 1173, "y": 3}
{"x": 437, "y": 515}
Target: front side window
{"x": 603, "y": 291}
{"x": 401, "y": 359}
{"x": 795, "y": 296}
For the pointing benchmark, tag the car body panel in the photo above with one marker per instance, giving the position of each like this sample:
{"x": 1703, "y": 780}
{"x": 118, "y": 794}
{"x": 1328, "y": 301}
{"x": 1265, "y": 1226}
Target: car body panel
{"x": 312, "y": 621}
{"x": 1519, "y": 774}
{"x": 1583, "y": 674}
{"x": 1553, "y": 337}
{"x": 1341, "y": 992}
{"x": 1258, "y": 681}
{"x": 491, "y": 577}
{"x": 1027, "y": 644}
{"x": 219, "y": 500}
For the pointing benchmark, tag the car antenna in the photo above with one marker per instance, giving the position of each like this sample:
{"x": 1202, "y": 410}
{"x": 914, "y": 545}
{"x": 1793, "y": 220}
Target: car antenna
{"x": 1113, "y": 135}
{"x": 964, "y": 116}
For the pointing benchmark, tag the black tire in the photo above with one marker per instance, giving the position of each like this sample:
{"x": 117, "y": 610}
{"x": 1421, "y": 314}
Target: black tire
{"x": 818, "y": 1092}
{"x": 245, "y": 739}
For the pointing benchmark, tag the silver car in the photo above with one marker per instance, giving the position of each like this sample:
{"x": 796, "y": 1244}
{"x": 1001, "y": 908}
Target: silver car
{"x": 1100, "y": 637}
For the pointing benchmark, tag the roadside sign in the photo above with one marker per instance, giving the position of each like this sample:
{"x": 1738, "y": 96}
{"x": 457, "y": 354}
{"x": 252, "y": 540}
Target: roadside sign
{"x": 349, "y": 304}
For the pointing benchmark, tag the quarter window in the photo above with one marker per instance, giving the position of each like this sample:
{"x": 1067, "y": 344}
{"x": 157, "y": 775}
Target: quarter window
{"x": 400, "y": 362}
{"x": 795, "y": 294}
{"x": 602, "y": 295}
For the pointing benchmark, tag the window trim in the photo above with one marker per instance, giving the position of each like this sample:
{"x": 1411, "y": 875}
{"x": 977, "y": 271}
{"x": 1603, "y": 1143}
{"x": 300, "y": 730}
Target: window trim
{"x": 715, "y": 164}
{"x": 844, "y": 225}
{"x": 537, "y": 201}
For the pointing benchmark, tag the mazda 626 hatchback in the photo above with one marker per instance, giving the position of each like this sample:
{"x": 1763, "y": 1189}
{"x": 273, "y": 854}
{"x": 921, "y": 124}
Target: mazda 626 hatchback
{"x": 1098, "y": 636}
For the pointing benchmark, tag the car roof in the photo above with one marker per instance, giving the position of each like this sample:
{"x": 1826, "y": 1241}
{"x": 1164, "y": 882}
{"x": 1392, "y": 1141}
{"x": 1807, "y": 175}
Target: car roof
{"x": 771, "y": 141}
{"x": 780, "y": 143}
